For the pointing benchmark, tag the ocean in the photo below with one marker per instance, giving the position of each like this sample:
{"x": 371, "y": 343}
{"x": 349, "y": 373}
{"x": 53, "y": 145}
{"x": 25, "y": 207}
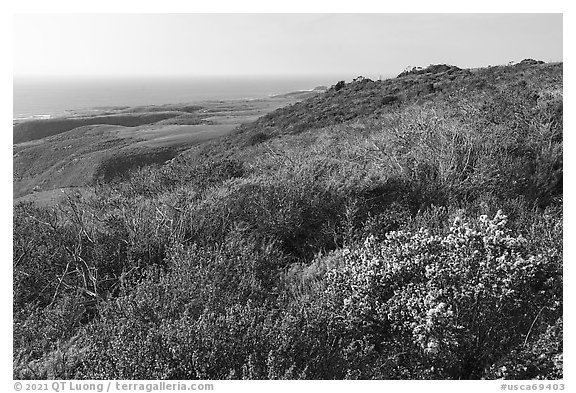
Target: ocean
{"x": 45, "y": 98}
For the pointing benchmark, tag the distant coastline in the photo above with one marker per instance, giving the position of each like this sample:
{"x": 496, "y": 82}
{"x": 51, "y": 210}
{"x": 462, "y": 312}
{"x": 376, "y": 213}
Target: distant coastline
{"x": 45, "y": 99}
{"x": 20, "y": 117}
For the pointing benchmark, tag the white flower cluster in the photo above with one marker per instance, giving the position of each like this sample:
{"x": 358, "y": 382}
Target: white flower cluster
{"x": 441, "y": 290}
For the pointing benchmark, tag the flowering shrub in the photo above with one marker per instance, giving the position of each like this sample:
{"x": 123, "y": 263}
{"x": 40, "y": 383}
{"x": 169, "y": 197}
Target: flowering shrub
{"x": 450, "y": 304}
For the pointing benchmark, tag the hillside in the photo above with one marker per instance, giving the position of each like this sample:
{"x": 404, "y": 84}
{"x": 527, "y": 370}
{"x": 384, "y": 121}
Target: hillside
{"x": 83, "y": 148}
{"x": 38, "y": 129}
{"x": 408, "y": 228}
{"x": 366, "y": 98}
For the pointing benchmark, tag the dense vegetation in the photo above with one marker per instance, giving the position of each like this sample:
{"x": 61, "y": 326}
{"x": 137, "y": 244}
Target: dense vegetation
{"x": 401, "y": 229}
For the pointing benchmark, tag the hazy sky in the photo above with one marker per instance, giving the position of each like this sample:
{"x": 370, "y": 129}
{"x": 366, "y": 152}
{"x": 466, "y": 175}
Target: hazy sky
{"x": 275, "y": 44}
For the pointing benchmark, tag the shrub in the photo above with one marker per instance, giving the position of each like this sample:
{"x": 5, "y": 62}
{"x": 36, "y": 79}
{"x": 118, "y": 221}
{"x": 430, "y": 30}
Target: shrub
{"x": 298, "y": 212}
{"x": 447, "y": 306}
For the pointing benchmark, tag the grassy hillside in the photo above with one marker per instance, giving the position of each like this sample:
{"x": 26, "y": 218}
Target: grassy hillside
{"x": 38, "y": 129}
{"x": 401, "y": 229}
{"x": 84, "y": 148}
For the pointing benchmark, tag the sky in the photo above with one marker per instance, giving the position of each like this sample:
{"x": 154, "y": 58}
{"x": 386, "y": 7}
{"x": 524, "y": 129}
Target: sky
{"x": 174, "y": 45}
